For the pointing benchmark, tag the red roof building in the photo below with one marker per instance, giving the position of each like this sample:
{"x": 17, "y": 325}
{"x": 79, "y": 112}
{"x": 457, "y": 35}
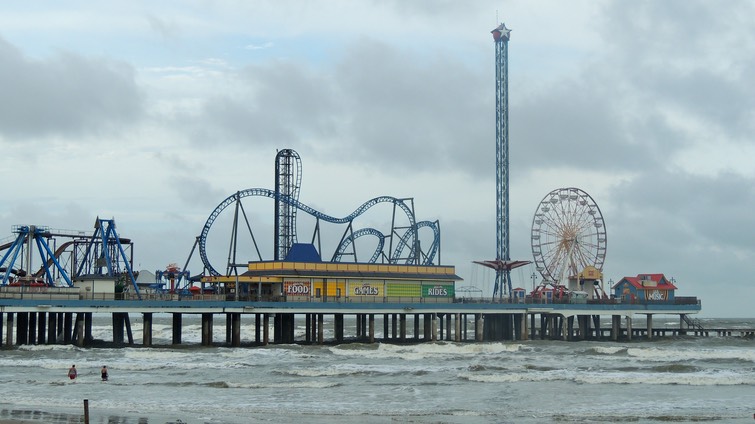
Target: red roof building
{"x": 644, "y": 288}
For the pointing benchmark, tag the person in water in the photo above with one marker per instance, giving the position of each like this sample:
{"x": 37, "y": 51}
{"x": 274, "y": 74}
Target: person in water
{"x": 103, "y": 373}
{"x": 72, "y": 373}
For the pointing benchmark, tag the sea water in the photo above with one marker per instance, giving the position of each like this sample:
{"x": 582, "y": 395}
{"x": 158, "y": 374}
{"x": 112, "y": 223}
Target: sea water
{"x": 670, "y": 379}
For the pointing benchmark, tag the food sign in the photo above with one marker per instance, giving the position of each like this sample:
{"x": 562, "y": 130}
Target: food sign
{"x": 297, "y": 288}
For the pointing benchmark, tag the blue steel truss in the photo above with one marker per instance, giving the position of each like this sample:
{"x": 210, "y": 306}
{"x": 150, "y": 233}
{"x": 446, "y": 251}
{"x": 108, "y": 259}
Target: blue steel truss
{"x": 105, "y": 255}
{"x": 501, "y": 37}
{"x": 408, "y": 241}
{"x": 28, "y": 237}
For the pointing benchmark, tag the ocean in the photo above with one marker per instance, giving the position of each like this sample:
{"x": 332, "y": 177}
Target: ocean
{"x": 670, "y": 379}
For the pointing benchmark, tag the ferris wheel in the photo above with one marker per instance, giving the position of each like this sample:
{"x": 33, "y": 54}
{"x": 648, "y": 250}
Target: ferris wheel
{"x": 568, "y": 235}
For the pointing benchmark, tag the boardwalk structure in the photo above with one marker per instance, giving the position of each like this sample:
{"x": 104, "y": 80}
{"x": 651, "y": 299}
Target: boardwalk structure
{"x": 50, "y": 321}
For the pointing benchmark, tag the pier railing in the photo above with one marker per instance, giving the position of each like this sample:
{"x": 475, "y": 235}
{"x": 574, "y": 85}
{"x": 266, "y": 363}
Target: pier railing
{"x": 43, "y": 293}
{"x": 679, "y": 300}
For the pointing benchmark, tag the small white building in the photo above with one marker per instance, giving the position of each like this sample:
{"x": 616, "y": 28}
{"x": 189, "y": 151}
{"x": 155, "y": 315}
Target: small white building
{"x": 95, "y": 287}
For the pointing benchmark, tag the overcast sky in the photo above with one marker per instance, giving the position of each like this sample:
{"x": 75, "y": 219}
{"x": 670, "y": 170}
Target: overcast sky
{"x": 152, "y": 113}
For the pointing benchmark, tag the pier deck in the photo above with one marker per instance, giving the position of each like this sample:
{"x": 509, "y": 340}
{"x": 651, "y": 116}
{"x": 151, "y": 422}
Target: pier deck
{"x": 54, "y": 320}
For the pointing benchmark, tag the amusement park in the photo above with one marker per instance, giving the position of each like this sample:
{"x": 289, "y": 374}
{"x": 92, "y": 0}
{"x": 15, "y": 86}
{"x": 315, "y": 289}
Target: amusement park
{"x": 379, "y": 260}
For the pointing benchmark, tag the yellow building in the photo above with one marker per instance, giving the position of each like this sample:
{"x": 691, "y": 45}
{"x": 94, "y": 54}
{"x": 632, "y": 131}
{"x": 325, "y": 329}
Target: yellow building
{"x": 343, "y": 282}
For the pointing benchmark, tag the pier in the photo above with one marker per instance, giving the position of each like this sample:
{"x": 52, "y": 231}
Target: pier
{"x": 67, "y": 321}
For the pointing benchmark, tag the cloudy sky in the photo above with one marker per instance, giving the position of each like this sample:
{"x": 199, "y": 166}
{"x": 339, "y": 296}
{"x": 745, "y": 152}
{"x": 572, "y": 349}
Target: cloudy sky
{"x": 153, "y": 113}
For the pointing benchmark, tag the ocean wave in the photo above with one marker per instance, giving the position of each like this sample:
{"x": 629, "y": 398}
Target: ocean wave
{"x": 532, "y": 367}
{"x": 672, "y": 368}
{"x": 633, "y": 418}
{"x": 357, "y": 370}
{"x": 424, "y": 351}
{"x": 505, "y": 378}
{"x": 141, "y": 358}
{"x": 727, "y": 378}
{"x": 288, "y": 385}
{"x": 329, "y": 372}
{"x": 676, "y": 354}
{"x": 606, "y": 350}
{"x": 689, "y": 379}
{"x": 237, "y": 385}
{"x": 48, "y": 348}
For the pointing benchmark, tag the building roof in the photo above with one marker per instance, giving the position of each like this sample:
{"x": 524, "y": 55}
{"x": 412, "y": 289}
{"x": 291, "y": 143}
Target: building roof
{"x": 303, "y": 252}
{"x": 660, "y": 281}
{"x": 332, "y": 270}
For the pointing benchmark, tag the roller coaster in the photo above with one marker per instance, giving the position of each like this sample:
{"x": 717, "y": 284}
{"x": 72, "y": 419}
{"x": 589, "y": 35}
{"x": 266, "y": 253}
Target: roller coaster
{"x": 400, "y": 244}
{"x": 105, "y": 253}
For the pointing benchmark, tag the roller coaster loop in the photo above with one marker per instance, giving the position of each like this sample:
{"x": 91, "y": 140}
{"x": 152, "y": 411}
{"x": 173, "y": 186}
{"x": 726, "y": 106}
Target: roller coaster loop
{"x": 407, "y": 240}
{"x": 427, "y": 258}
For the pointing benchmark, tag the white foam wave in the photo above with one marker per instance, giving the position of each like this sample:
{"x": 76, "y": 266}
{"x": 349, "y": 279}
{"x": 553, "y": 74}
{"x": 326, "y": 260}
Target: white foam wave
{"x": 323, "y": 372}
{"x": 286, "y": 385}
{"x": 721, "y": 378}
{"x": 425, "y": 350}
{"x": 48, "y": 348}
{"x": 677, "y": 354}
{"x": 506, "y": 378}
{"x": 609, "y": 350}
{"x": 342, "y": 370}
{"x": 690, "y": 379}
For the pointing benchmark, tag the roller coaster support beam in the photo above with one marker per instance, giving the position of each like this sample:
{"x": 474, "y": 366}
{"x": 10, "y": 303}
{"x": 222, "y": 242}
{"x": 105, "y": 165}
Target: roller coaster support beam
{"x": 27, "y": 234}
{"x": 104, "y": 231}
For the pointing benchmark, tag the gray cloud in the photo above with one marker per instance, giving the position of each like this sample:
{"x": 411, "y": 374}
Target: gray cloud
{"x": 572, "y": 124}
{"x": 692, "y": 55}
{"x": 378, "y": 106}
{"x": 276, "y": 104}
{"x": 65, "y": 95}
{"x": 408, "y": 112}
{"x": 659, "y": 58}
{"x": 706, "y": 212}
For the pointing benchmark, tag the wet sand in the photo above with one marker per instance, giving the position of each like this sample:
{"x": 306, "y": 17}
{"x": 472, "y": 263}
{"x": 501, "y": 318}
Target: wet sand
{"x": 11, "y": 415}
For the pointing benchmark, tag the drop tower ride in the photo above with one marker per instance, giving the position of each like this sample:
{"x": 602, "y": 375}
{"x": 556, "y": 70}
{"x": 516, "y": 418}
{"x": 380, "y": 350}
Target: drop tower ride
{"x": 501, "y": 36}
{"x": 502, "y": 263}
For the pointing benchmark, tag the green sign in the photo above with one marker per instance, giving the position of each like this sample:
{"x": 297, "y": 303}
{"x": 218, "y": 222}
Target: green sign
{"x": 437, "y": 290}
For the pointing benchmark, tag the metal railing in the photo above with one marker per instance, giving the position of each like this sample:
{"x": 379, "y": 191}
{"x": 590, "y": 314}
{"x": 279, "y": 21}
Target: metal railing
{"x": 75, "y": 293}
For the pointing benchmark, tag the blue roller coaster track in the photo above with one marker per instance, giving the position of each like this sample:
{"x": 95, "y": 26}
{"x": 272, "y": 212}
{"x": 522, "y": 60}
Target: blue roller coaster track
{"x": 427, "y": 258}
{"x": 407, "y": 242}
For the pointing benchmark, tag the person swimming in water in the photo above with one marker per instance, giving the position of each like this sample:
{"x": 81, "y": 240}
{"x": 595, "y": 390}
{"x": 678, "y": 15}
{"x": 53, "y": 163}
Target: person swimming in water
{"x": 72, "y": 373}
{"x": 103, "y": 373}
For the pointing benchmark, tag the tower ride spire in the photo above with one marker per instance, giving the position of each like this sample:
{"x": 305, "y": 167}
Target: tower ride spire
{"x": 501, "y": 36}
